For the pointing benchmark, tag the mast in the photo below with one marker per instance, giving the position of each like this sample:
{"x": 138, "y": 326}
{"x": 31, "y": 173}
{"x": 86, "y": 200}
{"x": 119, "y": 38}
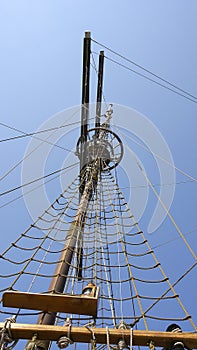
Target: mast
{"x": 99, "y": 91}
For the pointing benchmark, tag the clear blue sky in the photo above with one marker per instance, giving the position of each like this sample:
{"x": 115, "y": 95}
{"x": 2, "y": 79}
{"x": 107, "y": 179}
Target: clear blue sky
{"x": 40, "y": 70}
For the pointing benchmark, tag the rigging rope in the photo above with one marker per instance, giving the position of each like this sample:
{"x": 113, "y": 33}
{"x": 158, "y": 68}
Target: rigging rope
{"x": 153, "y": 153}
{"x": 150, "y": 79}
{"x": 162, "y": 203}
{"x": 144, "y": 69}
{"x": 33, "y": 150}
{"x": 40, "y": 178}
{"x": 25, "y": 134}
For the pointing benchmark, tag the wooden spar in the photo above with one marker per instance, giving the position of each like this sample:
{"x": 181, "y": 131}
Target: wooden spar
{"x": 83, "y": 335}
{"x": 74, "y": 304}
{"x": 99, "y": 91}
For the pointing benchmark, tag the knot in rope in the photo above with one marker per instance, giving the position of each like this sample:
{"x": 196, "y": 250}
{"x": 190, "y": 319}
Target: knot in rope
{"x": 93, "y": 340}
{"x": 64, "y": 341}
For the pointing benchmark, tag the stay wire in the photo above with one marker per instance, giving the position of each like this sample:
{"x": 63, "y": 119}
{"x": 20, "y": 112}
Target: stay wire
{"x": 155, "y": 154}
{"x": 160, "y": 185}
{"x": 150, "y": 79}
{"x": 143, "y": 68}
{"x": 24, "y": 134}
{"x": 173, "y": 239}
{"x": 33, "y": 189}
{"x": 33, "y": 134}
{"x": 28, "y": 154}
{"x": 35, "y": 180}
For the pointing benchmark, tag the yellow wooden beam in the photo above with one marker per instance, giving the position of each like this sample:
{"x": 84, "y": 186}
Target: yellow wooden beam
{"x": 83, "y": 335}
{"x": 75, "y": 304}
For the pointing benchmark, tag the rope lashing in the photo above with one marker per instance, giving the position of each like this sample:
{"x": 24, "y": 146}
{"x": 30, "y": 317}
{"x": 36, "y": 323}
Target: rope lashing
{"x": 64, "y": 341}
{"x": 121, "y": 344}
{"x": 93, "y": 340}
{"x": 6, "y": 337}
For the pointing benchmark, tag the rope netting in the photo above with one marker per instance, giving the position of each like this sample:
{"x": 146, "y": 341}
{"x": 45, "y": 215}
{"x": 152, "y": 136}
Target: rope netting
{"x": 115, "y": 256}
